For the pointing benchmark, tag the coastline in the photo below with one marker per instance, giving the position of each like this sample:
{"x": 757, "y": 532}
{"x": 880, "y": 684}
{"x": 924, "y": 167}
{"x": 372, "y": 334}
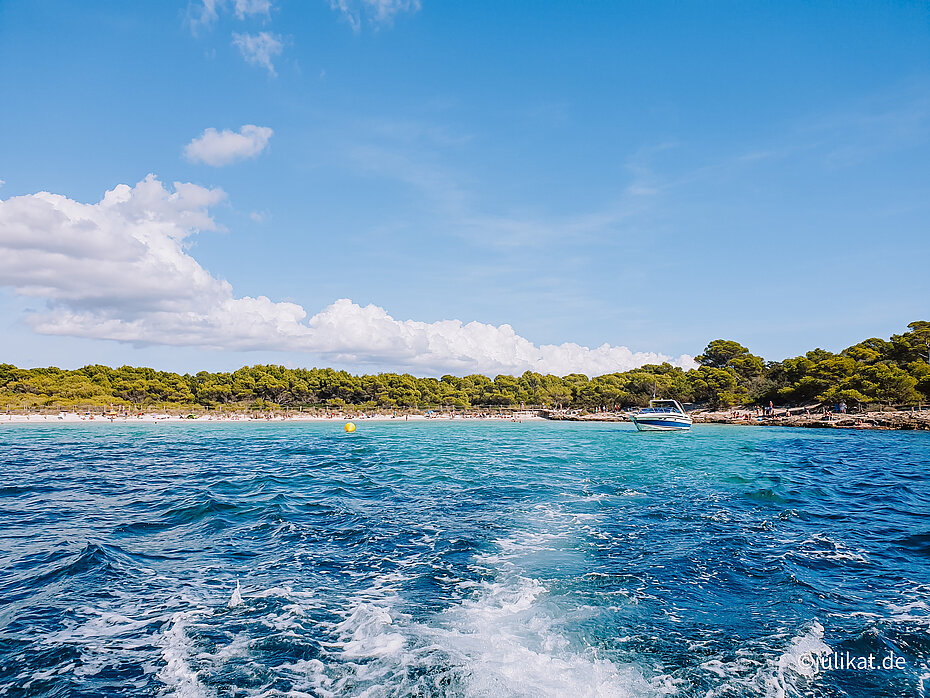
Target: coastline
{"x": 887, "y": 420}
{"x": 182, "y": 417}
{"x": 897, "y": 420}
{"x": 893, "y": 420}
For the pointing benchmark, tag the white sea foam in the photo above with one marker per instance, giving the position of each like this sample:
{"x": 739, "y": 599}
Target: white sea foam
{"x": 368, "y": 633}
{"x": 309, "y": 677}
{"x": 917, "y": 612}
{"x": 236, "y": 598}
{"x": 177, "y": 673}
{"x": 237, "y": 648}
{"x": 507, "y": 636}
{"x": 825, "y": 548}
{"x": 291, "y": 617}
{"x": 788, "y": 675}
{"x": 508, "y": 641}
{"x": 510, "y": 635}
{"x": 802, "y": 649}
{"x": 924, "y": 683}
{"x": 104, "y": 627}
{"x": 106, "y": 638}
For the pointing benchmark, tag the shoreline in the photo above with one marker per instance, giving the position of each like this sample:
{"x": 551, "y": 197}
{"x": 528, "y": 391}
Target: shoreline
{"x": 888, "y": 420}
{"x": 153, "y": 417}
{"x": 891, "y": 420}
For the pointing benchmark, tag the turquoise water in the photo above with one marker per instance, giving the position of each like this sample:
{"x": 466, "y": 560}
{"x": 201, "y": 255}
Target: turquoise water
{"x": 462, "y": 559}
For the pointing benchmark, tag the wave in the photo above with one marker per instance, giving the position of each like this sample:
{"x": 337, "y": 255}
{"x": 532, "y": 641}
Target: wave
{"x": 96, "y": 560}
{"x": 471, "y": 562}
{"x": 793, "y": 672}
{"x": 176, "y": 650}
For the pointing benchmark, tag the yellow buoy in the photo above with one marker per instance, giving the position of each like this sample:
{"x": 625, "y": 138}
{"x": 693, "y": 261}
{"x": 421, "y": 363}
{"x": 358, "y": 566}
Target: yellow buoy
{"x": 350, "y": 427}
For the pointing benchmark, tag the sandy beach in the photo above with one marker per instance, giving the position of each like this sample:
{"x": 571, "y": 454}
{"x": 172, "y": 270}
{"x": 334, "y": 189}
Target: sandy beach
{"x": 149, "y": 417}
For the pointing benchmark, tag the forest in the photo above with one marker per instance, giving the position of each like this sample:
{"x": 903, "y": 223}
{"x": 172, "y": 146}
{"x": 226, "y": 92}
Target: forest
{"x": 887, "y": 372}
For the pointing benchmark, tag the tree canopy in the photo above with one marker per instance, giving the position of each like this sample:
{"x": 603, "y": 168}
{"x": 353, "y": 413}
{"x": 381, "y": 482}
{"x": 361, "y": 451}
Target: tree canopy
{"x": 892, "y": 371}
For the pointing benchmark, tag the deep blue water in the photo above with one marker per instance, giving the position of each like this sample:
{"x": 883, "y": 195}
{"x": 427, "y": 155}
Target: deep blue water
{"x": 472, "y": 559}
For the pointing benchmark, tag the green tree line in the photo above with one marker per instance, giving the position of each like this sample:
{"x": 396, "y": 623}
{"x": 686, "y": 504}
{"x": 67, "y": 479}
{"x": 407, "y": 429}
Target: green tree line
{"x": 895, "y": 371}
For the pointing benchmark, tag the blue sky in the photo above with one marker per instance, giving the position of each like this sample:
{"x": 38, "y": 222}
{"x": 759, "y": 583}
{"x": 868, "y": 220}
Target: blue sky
{"x": 649, "y": 176}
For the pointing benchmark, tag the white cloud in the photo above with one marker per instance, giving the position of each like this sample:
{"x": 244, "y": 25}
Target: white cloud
{"x": 207, "y": 12}
{"x": 248, "y": 8}
{"x": 203, "y": 14}
{"x": 118, "y": 270}
{"x": 355, "y": 335}
{"x": 378, "y": 12}
{"x": 259, "y": 49}
{"x": 218, "y": 148}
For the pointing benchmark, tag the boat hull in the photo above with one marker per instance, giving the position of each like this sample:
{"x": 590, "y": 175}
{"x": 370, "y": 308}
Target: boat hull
{"x": 665, "y": 423}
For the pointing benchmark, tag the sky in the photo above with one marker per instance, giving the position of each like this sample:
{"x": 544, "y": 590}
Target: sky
{"x": 446, "y": 187}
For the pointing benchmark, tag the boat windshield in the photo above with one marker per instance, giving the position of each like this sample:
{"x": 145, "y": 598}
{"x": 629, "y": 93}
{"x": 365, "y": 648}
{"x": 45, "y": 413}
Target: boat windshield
{"x": 664, "y": 406}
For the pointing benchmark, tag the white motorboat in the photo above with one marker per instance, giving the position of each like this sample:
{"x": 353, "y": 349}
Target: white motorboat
{"x": 662, "y": 415}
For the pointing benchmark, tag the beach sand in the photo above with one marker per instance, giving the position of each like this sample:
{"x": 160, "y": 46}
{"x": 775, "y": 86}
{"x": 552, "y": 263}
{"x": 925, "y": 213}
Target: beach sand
{"x": 149, "y": 417}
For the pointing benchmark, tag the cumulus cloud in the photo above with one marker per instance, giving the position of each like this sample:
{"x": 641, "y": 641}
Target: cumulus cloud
{"x": 356, "y": 334}
{"x": 218, "y": 148}
{"x": 118, "y": 269}
{"x": 259, "y": 49}
{"x": 378, "y": 12}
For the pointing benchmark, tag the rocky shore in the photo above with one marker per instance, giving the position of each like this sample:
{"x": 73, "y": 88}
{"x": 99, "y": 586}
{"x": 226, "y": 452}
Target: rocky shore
{"x": 892, "y": 419}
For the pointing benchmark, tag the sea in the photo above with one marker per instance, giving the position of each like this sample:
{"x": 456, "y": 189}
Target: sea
{"x": 462, "y": 558}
